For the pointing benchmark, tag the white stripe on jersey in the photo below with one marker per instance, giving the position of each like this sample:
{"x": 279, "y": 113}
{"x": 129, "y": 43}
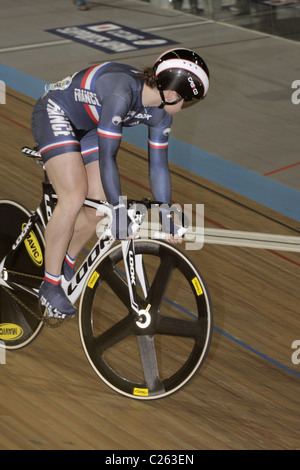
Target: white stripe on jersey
{"x": 158, "y": 144}
{"x": 90, "y": 77}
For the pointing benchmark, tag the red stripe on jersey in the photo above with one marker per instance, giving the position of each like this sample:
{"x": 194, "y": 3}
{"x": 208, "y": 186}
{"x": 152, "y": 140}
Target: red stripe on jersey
{"x": 91, "y": 115}
{"x": 53, "y": 146}
{"x": 155, "y": 145}
{"x": 109, "y": 135}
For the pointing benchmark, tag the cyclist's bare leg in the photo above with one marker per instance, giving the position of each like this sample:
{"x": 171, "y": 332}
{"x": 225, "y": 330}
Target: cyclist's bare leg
{"x": 69, "y": 179}
{"x": 86, "y": 223}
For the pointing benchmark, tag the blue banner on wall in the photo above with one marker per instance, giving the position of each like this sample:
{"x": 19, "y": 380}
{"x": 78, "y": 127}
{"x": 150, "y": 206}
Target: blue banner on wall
{"x": 110, "y": 37}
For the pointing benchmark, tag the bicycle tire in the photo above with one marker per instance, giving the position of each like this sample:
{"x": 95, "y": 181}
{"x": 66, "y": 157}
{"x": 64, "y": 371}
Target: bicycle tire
{"x": 19, "y": 327}
{"x": 174, "y": 345}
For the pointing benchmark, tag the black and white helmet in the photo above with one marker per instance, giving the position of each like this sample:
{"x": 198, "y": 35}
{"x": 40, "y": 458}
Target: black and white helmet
{"x": 183, "y": 71}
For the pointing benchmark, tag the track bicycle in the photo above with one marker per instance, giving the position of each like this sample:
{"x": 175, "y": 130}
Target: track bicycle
{"x": 144, "y": 311}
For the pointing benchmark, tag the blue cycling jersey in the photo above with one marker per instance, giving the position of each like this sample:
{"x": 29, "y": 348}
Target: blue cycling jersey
{"x": 87, "y": 111}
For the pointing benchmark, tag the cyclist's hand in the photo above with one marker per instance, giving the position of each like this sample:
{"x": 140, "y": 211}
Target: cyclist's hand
{"x": 122, "y": 226}
{"x": 173, "y": 238}
{"x": 173, "y": 232}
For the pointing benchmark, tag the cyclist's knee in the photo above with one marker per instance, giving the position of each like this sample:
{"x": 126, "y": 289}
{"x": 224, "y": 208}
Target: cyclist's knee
{"x": 71, "y": 202}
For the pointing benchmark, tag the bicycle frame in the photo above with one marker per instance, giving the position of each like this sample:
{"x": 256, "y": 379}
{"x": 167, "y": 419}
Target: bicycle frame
{"x": 73, "y": 288}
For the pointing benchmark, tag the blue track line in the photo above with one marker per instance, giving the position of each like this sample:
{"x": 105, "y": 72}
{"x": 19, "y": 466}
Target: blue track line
{"x": 237, "y": 341}
{"x": 258, "y": 353}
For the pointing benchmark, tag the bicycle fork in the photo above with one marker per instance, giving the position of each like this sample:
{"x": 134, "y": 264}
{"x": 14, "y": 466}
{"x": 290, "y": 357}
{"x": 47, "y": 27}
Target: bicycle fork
{"x": 134, "y": 267}
{"x": 143, "y": 318}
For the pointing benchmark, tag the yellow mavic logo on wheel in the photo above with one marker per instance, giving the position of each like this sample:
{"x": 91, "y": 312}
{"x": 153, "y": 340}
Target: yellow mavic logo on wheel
{"x": 93, "y": 279}
{"x": 141, "y": 392}
{"x": 10, "y": 331}
{"x": 197, "y": 286}
{"x": 33, "y": 247}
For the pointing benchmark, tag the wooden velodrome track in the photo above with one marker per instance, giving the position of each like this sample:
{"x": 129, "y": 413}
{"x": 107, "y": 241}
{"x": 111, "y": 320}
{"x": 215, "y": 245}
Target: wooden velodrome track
{"x": 246, "y": 396}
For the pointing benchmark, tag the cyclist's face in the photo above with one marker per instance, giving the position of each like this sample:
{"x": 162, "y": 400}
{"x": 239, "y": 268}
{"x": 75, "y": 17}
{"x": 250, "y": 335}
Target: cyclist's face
{"x": 173, "y": 108}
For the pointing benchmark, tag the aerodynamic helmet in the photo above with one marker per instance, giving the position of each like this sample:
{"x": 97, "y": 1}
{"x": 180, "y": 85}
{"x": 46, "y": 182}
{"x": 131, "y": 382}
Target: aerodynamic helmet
{"x": 183, "y": 71}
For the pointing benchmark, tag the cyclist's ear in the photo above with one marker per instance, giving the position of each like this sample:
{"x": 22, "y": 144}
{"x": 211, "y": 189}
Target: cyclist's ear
{"x": 170, "y": 96}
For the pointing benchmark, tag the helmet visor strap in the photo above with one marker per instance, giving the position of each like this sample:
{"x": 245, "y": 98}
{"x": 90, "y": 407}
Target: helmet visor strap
{"x": 164, "y": 103}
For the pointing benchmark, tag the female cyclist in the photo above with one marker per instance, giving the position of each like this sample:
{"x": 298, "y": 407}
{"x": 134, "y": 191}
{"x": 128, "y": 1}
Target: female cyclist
{"x": 77, "y": 125}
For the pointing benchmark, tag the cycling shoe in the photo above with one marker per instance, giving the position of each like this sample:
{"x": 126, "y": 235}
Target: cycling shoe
{"x": 55, "y": 300}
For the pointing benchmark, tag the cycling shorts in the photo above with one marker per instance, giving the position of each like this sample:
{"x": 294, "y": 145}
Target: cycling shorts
{"x": 60, "y": 137}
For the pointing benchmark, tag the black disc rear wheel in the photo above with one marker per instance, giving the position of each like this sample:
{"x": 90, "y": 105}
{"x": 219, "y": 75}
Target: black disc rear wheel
{"x": 20, "y": 277}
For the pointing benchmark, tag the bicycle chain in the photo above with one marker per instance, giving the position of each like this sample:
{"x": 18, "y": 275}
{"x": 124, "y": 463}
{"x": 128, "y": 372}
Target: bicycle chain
{"x": 50, "y": 322}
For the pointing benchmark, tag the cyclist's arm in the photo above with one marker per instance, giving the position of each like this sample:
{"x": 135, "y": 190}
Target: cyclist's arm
{"x": 160, "y": 180}
{"x": 113, "y": 110}
{"x": 159, "y": 173}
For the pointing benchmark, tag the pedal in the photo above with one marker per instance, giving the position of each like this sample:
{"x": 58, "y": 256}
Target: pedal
{"x": 52, "y": 312}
